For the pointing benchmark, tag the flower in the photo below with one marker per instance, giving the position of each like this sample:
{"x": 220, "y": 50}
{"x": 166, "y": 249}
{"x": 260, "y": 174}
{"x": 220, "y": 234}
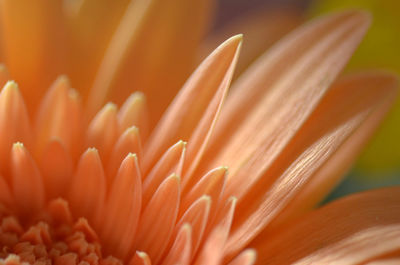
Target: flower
{"x": 86, "y": 184}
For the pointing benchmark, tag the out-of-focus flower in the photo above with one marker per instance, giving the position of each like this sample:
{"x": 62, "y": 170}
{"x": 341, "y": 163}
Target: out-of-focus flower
{"x": 379, "y": 49}
{"x": 80, "y": 186}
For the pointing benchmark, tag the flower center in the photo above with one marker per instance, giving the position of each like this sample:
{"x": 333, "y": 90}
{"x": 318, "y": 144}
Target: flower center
{"x": 50, "y": 238}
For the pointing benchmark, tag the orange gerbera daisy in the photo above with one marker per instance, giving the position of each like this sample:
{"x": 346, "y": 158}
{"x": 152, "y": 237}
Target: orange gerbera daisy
{"x": 79, "y": 185}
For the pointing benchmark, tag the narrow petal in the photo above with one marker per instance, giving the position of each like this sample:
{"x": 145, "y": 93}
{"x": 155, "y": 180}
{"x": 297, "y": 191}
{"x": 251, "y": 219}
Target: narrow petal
{"x": 128, "y": 142}
{"x": 88, "y": 187}
{"x": 197, "y": 216}
{"x": 57, "y": 169}
{"x": 27, "y": 183}
{"x": 158, "y": 219}
{"x": 134, "y": 113}
{"x": 37, "y": 24}
{"x": 14, "y": 122}
{"x": 54, "y": 117}
{"x": 103, "y": 131}
{"x": 297, "y": 71}
{"x": 138, "y": 60}
{"x": 194, "y": 110}
{"x": 181, "y": 251}
{"x": 246, "y": 257}
{"x": 170, "y": 162}
{"x": 211, "y": 184}
{"x": 86, "y": 25}
{"x": 315, "y": 143}
{"x": 352, "y": 230}
{"x": 123, "y": 208}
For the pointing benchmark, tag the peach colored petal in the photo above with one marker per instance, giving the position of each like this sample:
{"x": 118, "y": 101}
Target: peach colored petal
{"x": 170, "y": 162}
{"x": 103, "y": 131}
{"x": 52, "y": 119}
{"x": 197, "y": 104}
{"x": 335, "y": 168}
{"x": 261, "y": 28}
{"x": 389, "y": 261}
{"x": 86, "y": 25}
{"x": 147, "y": 39}
{"x": 134, "y": 113}
{"x": 211, "y": 184}
{"x": 352, "y": 230}
{"x": 158, "y": 219}
{"x": 197, "y": 217}
{"x": 298, "y": 69}
{"x": 39, "y": 25}
{"x": 140, "y": 258}
{"x": 246, "y": 257}
{"x": 315, "y": 143}
{"x": 57, "y": 167}
{"x": 27, "y": 183}
{"x": 122, "y": 209}
{"x": 181, "y": 251}
{"x": 88, "y": 187}
{"x": 128, "y": 142}
{"x": 14, "y": 122}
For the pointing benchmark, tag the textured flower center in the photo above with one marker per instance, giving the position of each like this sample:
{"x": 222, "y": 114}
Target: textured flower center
{"x": 52, "y": 239}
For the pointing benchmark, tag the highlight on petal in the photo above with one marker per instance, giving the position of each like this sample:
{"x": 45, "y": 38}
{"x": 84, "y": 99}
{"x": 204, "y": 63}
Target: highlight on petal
{"x": 195, "y": 109}
{"x": 353, "y": 230}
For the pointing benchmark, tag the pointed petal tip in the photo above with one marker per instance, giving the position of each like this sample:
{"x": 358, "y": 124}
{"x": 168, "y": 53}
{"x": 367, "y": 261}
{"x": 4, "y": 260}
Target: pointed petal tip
{"x": 11, "y": 85}
{"x": 18, "y": 145}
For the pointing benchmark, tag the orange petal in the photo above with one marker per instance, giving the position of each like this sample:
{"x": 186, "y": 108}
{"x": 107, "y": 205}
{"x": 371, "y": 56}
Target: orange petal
{"x": 158, "y": 219}
{"x": 134, "y": 113}
{"x": 57, "y": 169}
{"x": 53, "y": 116}
{"x": 353, "y": 230}
{"x": 121, "y": 215}
{"x": 335, "y": 168}
{"x": 27, "y": 183}
{"x": 140, "y": 258}
{"x": 88, "y": 187}
{"x": 246, "y": 257}
{"x": 14, "y": 122}
{"x": 39, "y": 25}
{"x": 103, "y": 131}
{"x": 194, "y": 110}
{"x": 128, "y": 142}
{"x": 197, "y": 216}
{"x": 170, "y": 162}
{"x": 315, "y": 143}
{"x": 211, "y": 184}
{"x": 261, "y": 29}
{"x": 181, "y": 251}
{"x": 138, "y": 60}
{"x": 297, "y": 72}
{"x": 86, "y": 24}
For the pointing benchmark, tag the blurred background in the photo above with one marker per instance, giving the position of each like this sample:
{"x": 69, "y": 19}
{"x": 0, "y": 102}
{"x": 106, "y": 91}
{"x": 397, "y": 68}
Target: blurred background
{"x": 263, "y": 22}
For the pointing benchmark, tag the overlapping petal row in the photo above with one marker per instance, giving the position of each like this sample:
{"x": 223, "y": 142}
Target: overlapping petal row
{"x": 111, "y": 188}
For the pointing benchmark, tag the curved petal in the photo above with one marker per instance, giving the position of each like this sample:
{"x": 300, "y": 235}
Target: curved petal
{"x": 352, "y": 230}
{"x": 322, "y": 135}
